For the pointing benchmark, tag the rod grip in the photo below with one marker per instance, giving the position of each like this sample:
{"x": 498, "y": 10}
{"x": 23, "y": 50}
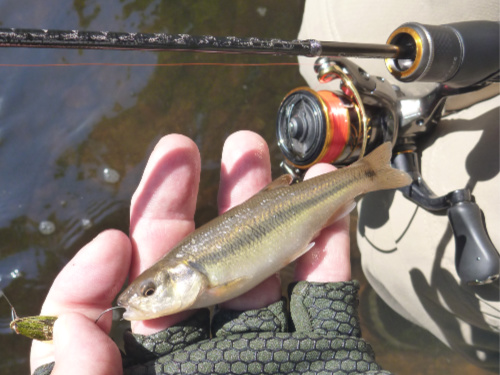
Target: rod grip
{"x": 459, "y": 54}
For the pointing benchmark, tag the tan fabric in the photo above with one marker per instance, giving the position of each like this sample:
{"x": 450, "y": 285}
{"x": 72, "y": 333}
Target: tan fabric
{"x": 407, "y": 253}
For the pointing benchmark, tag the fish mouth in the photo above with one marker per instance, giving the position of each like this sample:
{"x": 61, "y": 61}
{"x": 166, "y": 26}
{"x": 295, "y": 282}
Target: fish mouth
{"x": 121, "y": 301}
{"x": 131, "y": 311}
{"x": 123, "y": 304}
{"x": 133, "y": 314}
{"x": 126, "y": 315}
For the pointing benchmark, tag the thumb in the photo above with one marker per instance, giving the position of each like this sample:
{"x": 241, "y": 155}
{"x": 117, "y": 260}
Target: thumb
{"x": 81, "y": 347}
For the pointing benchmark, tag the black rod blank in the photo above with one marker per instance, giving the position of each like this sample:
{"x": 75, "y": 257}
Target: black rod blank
{"x": 183, "y": 42}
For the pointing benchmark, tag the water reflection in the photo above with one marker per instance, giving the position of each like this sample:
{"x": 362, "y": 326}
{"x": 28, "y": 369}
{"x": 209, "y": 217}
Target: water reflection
{"x": 74, "y": 140}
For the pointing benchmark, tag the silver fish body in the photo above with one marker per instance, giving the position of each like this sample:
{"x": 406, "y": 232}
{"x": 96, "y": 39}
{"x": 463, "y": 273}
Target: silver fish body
{"x": 237, "y": 250}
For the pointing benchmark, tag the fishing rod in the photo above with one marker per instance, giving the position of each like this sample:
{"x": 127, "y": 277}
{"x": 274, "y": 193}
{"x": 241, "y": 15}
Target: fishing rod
{"x": 74, "y": 39}
{"x": 459, "y": 54}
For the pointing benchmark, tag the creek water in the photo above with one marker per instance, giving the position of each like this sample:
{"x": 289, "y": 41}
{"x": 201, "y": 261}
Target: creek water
{"x": 74, "y": 139}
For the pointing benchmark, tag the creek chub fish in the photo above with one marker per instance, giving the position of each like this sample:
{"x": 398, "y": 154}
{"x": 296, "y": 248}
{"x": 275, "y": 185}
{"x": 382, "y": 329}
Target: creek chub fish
{"x": 237, "y": 250}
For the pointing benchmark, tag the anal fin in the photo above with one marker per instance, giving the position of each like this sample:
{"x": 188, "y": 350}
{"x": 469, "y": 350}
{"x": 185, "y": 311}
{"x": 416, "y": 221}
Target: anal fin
{"x": 299, "y": 254}
{"x": 342, "y": 212}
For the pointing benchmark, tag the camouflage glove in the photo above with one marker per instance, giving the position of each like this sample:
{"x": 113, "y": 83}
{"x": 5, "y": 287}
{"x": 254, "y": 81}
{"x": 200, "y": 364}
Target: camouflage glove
{"x": 323, "y": 337}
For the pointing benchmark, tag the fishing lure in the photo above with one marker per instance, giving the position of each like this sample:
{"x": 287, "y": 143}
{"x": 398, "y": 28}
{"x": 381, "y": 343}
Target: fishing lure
{"x": 34, "y": 327}
{"x": 38, "y": 327}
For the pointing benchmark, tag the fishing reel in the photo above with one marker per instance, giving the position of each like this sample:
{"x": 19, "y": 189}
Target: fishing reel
{"x": 336, "y": 127}
{"x": 341, "y": 127}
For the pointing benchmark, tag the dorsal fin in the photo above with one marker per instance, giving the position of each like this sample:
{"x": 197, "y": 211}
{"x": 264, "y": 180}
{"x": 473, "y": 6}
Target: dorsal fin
{"x": 283, "y": 180}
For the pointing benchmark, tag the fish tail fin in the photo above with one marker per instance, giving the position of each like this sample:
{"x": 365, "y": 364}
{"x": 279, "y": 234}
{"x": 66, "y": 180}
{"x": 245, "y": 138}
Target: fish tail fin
{"x": 378, "y": 166}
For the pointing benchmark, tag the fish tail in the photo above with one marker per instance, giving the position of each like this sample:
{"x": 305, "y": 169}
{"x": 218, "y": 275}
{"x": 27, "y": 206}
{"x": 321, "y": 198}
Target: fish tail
{"x": 378, "y": 167}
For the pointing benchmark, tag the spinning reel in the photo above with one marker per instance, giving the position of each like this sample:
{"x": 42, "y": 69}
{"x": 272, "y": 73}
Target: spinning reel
{"x": 341, "y": 127}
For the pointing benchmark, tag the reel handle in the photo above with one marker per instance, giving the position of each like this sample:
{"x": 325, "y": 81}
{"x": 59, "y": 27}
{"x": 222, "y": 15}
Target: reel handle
{"x": 477, "y": 261}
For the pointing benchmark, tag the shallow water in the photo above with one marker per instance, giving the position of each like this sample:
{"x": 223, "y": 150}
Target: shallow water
{"x": 74, "y": 140}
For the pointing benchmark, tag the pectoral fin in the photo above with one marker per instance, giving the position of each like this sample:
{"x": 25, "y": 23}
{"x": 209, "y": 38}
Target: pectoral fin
{"x": 228, "y": 289}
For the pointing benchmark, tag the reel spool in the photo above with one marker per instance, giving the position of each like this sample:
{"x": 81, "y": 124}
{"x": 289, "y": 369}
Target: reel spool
{"x": 323, "y": 126}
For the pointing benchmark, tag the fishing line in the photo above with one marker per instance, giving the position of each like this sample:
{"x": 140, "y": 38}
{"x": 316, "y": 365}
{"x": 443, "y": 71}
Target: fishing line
{"x": 295, "y": 64}
{"x": 13, "y": 311}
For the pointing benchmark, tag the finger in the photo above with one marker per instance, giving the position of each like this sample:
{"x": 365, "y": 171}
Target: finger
{"x": 81, "y": 347}
{"x": 162, "y": 211}
{"x": 163, "y": 206}
{"x": 329, "y": 259}
{"x": 245, "y": 170}
{"x": 87, "y": 285}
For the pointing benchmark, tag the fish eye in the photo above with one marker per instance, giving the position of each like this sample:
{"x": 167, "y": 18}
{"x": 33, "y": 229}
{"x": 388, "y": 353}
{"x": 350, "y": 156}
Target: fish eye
{"x": 148, "y": 288}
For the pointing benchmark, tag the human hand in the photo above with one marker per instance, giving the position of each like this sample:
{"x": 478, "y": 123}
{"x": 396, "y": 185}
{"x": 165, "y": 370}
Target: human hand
{"x": 84, "y": 288}
{"x": 162, "y": 214}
